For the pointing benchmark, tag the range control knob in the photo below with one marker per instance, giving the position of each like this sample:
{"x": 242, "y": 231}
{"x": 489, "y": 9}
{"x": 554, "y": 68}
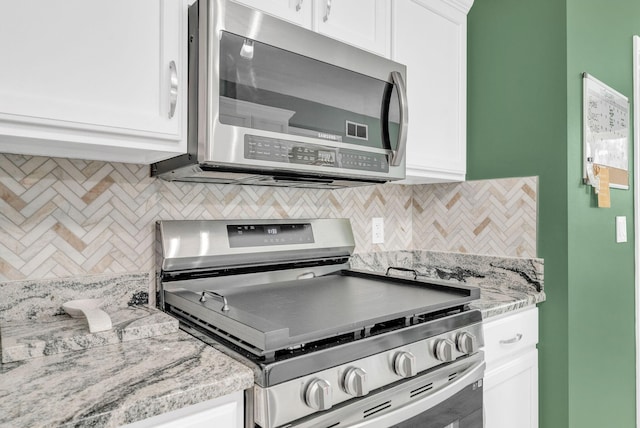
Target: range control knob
{"x": 444, "y": 350}
{"x": 318, "y": 394}
{"x": 355, "y": 382}
{"x": 466, "y": 342}
{"x": 404, "y": 364}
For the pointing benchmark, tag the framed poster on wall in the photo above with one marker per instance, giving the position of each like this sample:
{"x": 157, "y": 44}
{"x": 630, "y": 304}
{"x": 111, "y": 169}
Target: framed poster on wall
{"x": 605, "y": 121}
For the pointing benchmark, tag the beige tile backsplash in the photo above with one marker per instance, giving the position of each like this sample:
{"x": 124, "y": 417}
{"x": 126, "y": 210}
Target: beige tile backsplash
{"x": 491, "y": 217}
{"x": 63, "y": 217}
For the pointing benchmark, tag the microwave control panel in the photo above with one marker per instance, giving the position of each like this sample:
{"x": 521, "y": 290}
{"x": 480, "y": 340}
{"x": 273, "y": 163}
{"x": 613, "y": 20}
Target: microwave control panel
{"x": 283, "y": 151}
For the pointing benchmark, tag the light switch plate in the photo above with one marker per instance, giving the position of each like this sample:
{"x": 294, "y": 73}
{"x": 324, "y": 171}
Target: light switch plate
{"x": 377, "y": 230}
{"x": 621, "y": 229}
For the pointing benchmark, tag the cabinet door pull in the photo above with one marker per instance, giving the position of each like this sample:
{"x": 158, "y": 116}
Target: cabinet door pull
{"x": 327, "y": 11}
{"x": 517, "y": 338}
{"x": 173, "y": 88}
{"x": 299, "y": 5}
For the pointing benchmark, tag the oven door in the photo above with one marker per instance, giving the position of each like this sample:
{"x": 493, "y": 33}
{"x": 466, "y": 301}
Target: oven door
{"x": 462, "y": 410}
{"x": 448, "y": 397}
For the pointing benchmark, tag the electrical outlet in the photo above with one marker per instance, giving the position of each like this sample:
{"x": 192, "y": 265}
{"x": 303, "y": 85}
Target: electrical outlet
{"x": 377, "y": 230}
{"x": 621, "y": 229}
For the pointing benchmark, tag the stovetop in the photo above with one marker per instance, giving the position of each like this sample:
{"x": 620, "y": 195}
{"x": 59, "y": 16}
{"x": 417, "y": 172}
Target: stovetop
{"x": 266, "y": 318}
{"x": 322, "y": 355}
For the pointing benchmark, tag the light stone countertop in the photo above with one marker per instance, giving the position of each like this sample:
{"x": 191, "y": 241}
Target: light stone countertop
{"x": 116, "y": 384}
{"x": 33, "y": 338}
{"x": 121, "y": 383}
{"x": 502, "y": 300}
{"x": 506, "y": 283}
{"x": 68, "y": 377}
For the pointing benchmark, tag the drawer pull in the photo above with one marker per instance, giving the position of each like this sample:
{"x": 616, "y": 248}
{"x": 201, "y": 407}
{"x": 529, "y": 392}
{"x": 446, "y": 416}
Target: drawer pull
{"x": 517, "y": 338}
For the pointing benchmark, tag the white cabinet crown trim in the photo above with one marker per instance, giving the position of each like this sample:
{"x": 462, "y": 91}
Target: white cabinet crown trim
{"x": 462, "y": 5}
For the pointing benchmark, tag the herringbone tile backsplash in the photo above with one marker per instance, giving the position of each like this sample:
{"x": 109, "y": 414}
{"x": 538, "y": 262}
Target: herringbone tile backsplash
{"x": 63, "y": 217}
{"x": 492, "y": 217}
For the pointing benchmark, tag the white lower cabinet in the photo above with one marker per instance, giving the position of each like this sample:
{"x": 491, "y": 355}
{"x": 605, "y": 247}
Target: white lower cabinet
{"x": 511, "y": 378}
{"x": 222, "y": 412}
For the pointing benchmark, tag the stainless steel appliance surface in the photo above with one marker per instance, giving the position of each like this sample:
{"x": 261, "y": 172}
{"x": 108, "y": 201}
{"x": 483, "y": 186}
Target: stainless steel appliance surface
{"x": 272, "y": 103}
{"x": 330, "y": 346}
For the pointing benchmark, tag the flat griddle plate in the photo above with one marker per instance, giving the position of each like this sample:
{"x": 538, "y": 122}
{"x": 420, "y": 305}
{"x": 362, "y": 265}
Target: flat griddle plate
{"x": 286, "y": 314}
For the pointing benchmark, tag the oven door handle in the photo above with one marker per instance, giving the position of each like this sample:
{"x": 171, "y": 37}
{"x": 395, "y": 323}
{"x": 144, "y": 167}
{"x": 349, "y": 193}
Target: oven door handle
{"x": 404, "y": 413}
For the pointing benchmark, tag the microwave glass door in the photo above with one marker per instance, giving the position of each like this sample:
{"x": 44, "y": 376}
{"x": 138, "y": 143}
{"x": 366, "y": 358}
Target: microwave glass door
{"x": 267, "y": 88}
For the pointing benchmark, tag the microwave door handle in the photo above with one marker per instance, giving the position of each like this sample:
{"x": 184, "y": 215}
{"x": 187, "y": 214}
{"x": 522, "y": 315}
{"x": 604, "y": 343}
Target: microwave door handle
{"x": 398, "y": 153}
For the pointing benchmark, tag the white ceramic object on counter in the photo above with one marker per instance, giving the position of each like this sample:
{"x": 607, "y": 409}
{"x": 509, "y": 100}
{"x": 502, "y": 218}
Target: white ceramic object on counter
{"x": 97, "y": 319}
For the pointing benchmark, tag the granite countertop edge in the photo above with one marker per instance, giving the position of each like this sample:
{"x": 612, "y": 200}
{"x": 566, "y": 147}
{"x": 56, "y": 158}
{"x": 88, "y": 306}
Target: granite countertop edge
{"x": 491, "y": 308}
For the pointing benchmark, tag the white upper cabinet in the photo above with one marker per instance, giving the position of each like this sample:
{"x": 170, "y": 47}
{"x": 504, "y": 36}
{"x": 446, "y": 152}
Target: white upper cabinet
{"x": 430, "y": 38}
{"x": 103, "y": 79}
{"x": 295, "y": 11}
{"x": 362, "y": 23}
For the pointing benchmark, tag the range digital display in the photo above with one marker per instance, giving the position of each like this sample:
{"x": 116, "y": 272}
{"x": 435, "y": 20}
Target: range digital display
{"x": 258, "y": 235}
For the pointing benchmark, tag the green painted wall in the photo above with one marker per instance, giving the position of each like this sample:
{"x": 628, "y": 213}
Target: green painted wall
{"x": 525, "y": 59}
{"x": 601, "y": 382}
{"x": 516, "y": 126}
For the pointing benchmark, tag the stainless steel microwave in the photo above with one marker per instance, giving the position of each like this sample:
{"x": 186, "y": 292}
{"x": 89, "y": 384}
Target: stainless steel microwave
{"x": 271, "y": 103}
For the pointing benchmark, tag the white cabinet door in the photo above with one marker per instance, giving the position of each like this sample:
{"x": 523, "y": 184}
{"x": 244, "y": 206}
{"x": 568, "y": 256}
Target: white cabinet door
{"x": 295, "y": 11}
{"x": 93, "y": 79}
{"x": 362, "y": 23}
{"x": 511, "y": 393}
{"x": 223, "y": 412}
{"x": 511, "y": 379}
{"x": 430, "y": 38}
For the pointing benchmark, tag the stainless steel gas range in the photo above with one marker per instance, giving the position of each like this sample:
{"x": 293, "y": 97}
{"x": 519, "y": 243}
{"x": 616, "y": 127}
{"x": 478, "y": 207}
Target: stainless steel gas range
{"x": 330, "y": 346}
